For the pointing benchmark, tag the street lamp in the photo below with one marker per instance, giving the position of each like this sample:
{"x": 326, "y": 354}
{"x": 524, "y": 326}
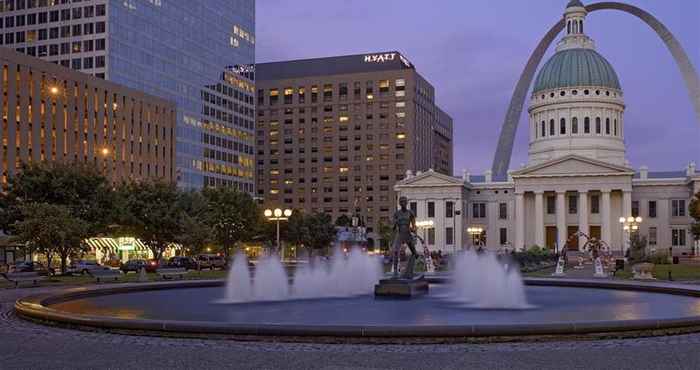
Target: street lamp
{"x": 629, "y": 225}
{"x": 475, "y": 232}
{"x": 278, "y": 215}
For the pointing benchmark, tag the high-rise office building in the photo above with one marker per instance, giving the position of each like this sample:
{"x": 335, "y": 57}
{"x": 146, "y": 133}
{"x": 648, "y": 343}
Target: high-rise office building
{"x": 49, "y": 113}
{"x": 335, "y": 134}
{"x": 195, "y": 53}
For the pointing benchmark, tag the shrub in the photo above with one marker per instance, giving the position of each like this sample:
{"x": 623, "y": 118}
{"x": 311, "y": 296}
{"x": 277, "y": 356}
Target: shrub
{"x": 659, "y": 258}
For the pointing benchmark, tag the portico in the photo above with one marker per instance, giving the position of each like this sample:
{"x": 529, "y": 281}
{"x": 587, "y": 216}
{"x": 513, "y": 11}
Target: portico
{"x": 571, "y": 194}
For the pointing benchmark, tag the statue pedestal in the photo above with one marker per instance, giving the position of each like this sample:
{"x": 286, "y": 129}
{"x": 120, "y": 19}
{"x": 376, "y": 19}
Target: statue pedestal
{"x": 401, "y": 288}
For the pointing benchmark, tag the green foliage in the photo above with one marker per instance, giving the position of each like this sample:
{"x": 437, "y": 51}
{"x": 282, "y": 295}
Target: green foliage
{"x": 659, "y": 258}
{"x": 314, "y": 231}
{"x": 151, "y": 211}
{"x": 638, "y": 248}
{"x": 194, "y": 234}
{"x": 343, "y": 221}
{"x": 80, "y": 188}
{"x": 232, "y": 216}
{"x": 694, "y": 211}
{"x": 386, "y": 233}
{"x": 52, "y": 230}
{"x": 534, "y": 258}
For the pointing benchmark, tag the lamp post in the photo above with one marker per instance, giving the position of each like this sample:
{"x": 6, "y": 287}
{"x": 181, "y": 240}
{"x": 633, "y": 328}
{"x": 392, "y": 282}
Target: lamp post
{"x": 629, "y": 225}
{"x": 278, "y": 215}
{"x": 474, "y": 232}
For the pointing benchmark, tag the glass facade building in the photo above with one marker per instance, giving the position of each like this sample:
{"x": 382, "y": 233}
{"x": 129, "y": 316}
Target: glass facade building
{"x": 195, "y": 53}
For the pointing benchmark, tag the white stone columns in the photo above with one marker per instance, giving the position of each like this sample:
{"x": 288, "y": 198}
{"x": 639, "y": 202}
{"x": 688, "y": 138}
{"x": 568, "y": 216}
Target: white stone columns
{"x": 582, "y": 217}
{"x": 626, "y": 203}
{"x": 605, "y": 230}
{"x": 539, "y": 218}
{"x": 561, "y": 220}
{"x": 519, "y": 222}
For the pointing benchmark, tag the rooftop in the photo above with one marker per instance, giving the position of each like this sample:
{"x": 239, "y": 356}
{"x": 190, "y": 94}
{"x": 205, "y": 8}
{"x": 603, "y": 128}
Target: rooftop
{"x": 347, "y": 64}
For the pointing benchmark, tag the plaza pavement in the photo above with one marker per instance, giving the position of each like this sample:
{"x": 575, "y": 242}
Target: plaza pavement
{"x": 26, "y": 345}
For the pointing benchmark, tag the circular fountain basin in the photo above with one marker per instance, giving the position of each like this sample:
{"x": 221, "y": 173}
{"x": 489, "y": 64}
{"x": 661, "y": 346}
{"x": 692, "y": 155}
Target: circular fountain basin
{"x": 556, "y": 307}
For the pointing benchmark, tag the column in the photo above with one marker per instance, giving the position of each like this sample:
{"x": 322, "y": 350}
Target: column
{"x": 626, "y": 212}
{"x": 519, "y": 222}
{"x": 561, "y": 220}
{"x": 582, "y": 217}
{"x": 539, "y": 218}
{"x": 626, "y": 203}
{"x": 605, "y": 231}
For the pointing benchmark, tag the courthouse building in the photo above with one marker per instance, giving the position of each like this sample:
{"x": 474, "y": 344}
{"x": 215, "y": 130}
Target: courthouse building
{"x": 577, "y": 177}
{"x": 334, "y": 134}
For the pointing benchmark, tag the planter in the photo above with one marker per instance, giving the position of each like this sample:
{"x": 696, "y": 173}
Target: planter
{"x": 643, "y": 271}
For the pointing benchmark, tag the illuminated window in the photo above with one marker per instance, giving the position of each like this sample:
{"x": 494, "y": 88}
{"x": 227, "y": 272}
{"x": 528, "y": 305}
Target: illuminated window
{"x": 400, "y": 114}
{"x": 401, "y": 136}
{"x": 274, "y": 191}
{"x": 400, "y": 104}
{"x": 344, "y": 169}
{"x": 343, "y": 118}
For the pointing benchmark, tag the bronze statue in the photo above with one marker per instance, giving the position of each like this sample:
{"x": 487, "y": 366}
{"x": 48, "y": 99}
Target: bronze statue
{"x": 405, "y": 229}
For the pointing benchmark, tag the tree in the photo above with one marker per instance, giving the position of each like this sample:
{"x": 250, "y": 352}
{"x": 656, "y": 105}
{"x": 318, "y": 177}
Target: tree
{"x": 52, "y": 230}
{"x": 194, "y": 232}
{"x": 233, "y": 216}
{"x": 315, "y": 231}
{"x": 386, "y": 234}
{"x": 151, "y": 212}
{"x": 694, "y": 210}
{"x": 343, "y": 221}
{"x": 638, "y": 248}
{"x": 79, "y": 187}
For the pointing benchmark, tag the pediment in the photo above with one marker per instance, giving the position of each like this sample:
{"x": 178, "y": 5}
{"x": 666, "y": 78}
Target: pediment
{"x": 573, "y": 165}
{"x": 430, "y": 178}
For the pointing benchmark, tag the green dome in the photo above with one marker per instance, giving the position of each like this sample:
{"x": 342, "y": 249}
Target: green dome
{"x": 576, "y": 67}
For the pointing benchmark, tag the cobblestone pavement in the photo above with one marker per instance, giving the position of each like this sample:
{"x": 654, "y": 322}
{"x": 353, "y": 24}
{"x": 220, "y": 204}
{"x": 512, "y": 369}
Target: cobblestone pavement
{"x": 26, "y": 345}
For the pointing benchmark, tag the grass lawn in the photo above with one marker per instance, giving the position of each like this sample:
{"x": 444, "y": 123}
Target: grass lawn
{"x": 678, "y": 272}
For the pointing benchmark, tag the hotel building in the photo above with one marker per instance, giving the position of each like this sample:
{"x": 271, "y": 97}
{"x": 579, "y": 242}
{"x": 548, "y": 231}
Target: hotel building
{"x": 194, "y": 53}
{"x": 54, "y": 114}
{"x": 334, "y": 134}
{"x": 577, "y": 179}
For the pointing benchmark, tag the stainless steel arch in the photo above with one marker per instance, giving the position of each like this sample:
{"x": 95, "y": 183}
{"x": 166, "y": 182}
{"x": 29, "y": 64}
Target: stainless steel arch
{"x": 504, "y": 151}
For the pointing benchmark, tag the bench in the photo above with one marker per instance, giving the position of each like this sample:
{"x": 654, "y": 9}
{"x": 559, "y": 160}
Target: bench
{"x": 105, "y": 274}
{"x": 171, "y": 272}
{"x": 19, "y": 277}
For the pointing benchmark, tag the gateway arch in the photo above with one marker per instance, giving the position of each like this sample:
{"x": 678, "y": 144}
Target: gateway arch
{"x": 501, "y": 160}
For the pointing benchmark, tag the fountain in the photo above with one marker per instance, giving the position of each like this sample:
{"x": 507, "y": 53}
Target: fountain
{"x": 482, "y": 281}
{"x": 342, "y": 276}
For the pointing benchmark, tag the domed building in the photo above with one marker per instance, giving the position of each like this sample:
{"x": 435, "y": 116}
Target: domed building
{"x": 577, "y": 183}
{"x": 577, "y": 103}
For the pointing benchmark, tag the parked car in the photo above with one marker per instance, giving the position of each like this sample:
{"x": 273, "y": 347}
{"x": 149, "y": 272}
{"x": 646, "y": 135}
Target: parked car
{"x": 211, "y": 261}
{"x": 188, "y": 263}
{"x": 28, "y": 266}
{"x": 135, "y": 265}
{"x": 83, "y": 267}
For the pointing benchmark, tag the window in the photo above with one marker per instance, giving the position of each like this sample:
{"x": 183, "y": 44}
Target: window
{"x": 479, "y": 210}
{"x": 562, "y": 126}
{"x": 431, "y": 236}
{"x": 573, "y": 204}
{"x": 652, "y": 209}
{"x": 542, "y": 128}
{"x": 635, "y": 208}
{"x": 503, "y": 235}
{"x": 503, "y": 211}
{"x": 449, "y": 236}
{"x": 431, "y": 209}
{"x": 678, "y": 207}
{"x": 678, "y": 237}
{"x": 551, "y": 205}
{"x": 586, "y": 125}
{"x": 615, "y": 127}
{"x": 574, "y": 125}
{"x": 652, "y": 236}
{"x": 449, "y": 209}
{"x": 597, "y": 125}
{"x": 595, "y": 204}
{"x": 551, "y": 127}
{"x": 413, "y": 206}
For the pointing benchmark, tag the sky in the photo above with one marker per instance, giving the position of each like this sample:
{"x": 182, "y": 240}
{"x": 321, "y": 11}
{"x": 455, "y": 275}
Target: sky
{"x": 473, "y": 51}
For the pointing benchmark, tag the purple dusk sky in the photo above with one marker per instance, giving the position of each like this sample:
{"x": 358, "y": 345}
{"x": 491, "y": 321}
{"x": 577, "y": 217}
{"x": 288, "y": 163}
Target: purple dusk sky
{"x": 473, "y": 52}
